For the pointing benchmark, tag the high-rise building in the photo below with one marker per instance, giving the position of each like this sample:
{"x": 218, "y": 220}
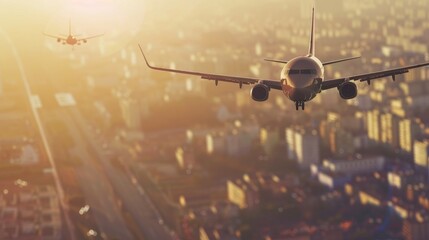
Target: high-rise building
{"x": 389, "y": 130}
{"x": 269, "y": 140}
{"x": 290, "y": 141}
{"x": 421, "y": 153}
{"x": 307, "y": 148}
{"x": 373, "y": 118}
{"x": 341, "y": 143}
{"x": 407, "y": 132}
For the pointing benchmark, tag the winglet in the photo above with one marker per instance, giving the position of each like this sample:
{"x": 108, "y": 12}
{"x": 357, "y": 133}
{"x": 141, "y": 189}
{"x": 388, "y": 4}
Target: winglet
{"x": 145, "y": 59}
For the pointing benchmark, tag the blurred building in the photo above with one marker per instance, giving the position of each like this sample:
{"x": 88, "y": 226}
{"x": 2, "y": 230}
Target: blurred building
{"x": 30, "y": 212}
{"x": 414, "y": 230}
{"x": 359, "y": 165}
{"x": 130, "y": 110}
{"x": 28, "y": 156}
{"x": 234, "y": 141}
{"x": 421, "y": 153}
{"x": 373, "y": 123}
{"x": 390, "y": 130}
{"x": 290, "y": 142}
{"x": 215, "y": 144}
{"x": 269, "y": 140}
{"x": 307, "y": 148}
{"x": 208, "y": 233}
{"x": 185, "y": 158}
{"x": 401, "y": 178}
{"x": 407, "y": 132}
{"x": 341, "y": 142}
{"x": 332, "y": 179}
{"x": 243, "y": 193}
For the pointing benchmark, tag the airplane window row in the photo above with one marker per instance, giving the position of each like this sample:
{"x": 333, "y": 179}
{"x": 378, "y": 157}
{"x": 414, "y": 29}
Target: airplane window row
{"x": 303, "y": 71}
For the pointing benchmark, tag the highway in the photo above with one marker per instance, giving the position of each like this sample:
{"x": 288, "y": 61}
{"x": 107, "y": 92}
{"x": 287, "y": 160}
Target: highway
{"x": 104, "y": 186}
{"x": 132, "y": 196}
{"x": 40, "y": 127}
{"x": 96, "y": 186}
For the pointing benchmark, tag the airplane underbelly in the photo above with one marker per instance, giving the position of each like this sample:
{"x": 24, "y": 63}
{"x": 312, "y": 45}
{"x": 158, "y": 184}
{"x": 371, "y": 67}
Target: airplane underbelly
{"x": 300, "y": 94}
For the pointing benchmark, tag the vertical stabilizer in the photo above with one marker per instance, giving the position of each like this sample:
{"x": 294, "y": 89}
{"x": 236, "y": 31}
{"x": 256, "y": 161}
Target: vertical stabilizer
{"x": 311, "y": 51}
{"x": 69, "y": 26}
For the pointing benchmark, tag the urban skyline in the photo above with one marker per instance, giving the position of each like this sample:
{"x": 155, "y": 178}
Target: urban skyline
{"x": 97, "y": 146}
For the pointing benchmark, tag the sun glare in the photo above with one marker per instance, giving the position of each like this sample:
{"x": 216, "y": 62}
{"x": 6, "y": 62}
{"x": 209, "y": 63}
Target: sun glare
{"x": 120, "y": 21}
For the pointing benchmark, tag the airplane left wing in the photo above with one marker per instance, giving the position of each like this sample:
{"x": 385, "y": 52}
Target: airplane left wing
{"x": 368, "y": 77}
{"x": 63, "y": 38}
{"x": 219, "y": 78}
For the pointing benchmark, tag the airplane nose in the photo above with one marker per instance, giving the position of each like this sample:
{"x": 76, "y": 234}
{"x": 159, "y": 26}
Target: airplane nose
{"x": 300, "y": 82}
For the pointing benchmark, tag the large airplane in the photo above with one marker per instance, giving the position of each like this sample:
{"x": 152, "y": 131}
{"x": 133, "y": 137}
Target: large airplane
{"x": 301, "y": 79}
{"x": 71, "y": 39}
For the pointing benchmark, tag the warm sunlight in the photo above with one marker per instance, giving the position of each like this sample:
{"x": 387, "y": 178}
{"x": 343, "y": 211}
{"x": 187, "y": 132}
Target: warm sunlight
{"x": 214, "y": 119}
{"x": 120, "y": 21}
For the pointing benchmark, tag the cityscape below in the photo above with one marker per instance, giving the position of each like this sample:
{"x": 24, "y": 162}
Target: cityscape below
{"x": 96, "y": 145}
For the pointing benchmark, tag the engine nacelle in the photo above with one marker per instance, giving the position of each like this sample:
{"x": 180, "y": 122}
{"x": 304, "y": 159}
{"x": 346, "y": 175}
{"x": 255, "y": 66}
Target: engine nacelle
{"x": 348, "y": 90}
{"x": 260, "y": 92}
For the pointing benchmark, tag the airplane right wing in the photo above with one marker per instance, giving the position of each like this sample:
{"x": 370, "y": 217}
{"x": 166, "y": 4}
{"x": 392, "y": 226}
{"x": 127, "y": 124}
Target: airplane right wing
{"x": 87, "y": 38}
{"x": 368, "y": 77}
{"x": 219, "y": 78}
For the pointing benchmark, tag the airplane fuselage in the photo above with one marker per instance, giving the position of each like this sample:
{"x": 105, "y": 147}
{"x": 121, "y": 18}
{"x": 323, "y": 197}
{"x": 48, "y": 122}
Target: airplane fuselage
{"x": 301, "y": 78}
{"x": 71, "y": 40}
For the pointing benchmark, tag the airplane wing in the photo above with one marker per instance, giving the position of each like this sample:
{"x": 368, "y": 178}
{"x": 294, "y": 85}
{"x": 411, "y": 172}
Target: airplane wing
{"x": 219, "y": 78}
{"x": 368, "y": 77}
{"x": 87, "y": 38}
{"x": 63, "y": 38}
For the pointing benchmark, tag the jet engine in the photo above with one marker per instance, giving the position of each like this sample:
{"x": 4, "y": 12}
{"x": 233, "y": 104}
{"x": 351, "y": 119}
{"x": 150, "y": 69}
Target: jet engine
{"x": 260, "y": 92}
{"x": 348, "y": 90}
{"x": 58, "y": 39}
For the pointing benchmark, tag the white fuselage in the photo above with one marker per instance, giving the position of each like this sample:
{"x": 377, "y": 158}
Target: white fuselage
{"x": 301, "y": 78}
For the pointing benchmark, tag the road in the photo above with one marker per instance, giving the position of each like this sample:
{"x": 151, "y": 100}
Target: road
{"x": 103, "y": 187}
{"x": 40, "y": 127}
{"x": 134, "y": 200}
{"x": 97, "y": 189}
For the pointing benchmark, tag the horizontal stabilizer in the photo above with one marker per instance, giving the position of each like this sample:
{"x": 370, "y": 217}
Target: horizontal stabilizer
{"x": 340, "y": 60}
{"x": 275, "y": 60}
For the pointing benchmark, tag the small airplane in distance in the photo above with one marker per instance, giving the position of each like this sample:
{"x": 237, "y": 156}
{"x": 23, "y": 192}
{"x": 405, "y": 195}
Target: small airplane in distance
{"x": 301, "y": 79}
{"x": 71, "y": 39}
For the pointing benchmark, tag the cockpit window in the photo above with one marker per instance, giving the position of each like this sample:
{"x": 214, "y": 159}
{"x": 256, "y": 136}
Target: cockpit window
{"x": 308, "y": 71}
{"x": 292, "y": 72}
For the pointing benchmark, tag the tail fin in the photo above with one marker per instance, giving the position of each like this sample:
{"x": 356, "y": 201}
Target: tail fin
{"x": 69, "y": 26}
{"x": 311, "y": 51}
